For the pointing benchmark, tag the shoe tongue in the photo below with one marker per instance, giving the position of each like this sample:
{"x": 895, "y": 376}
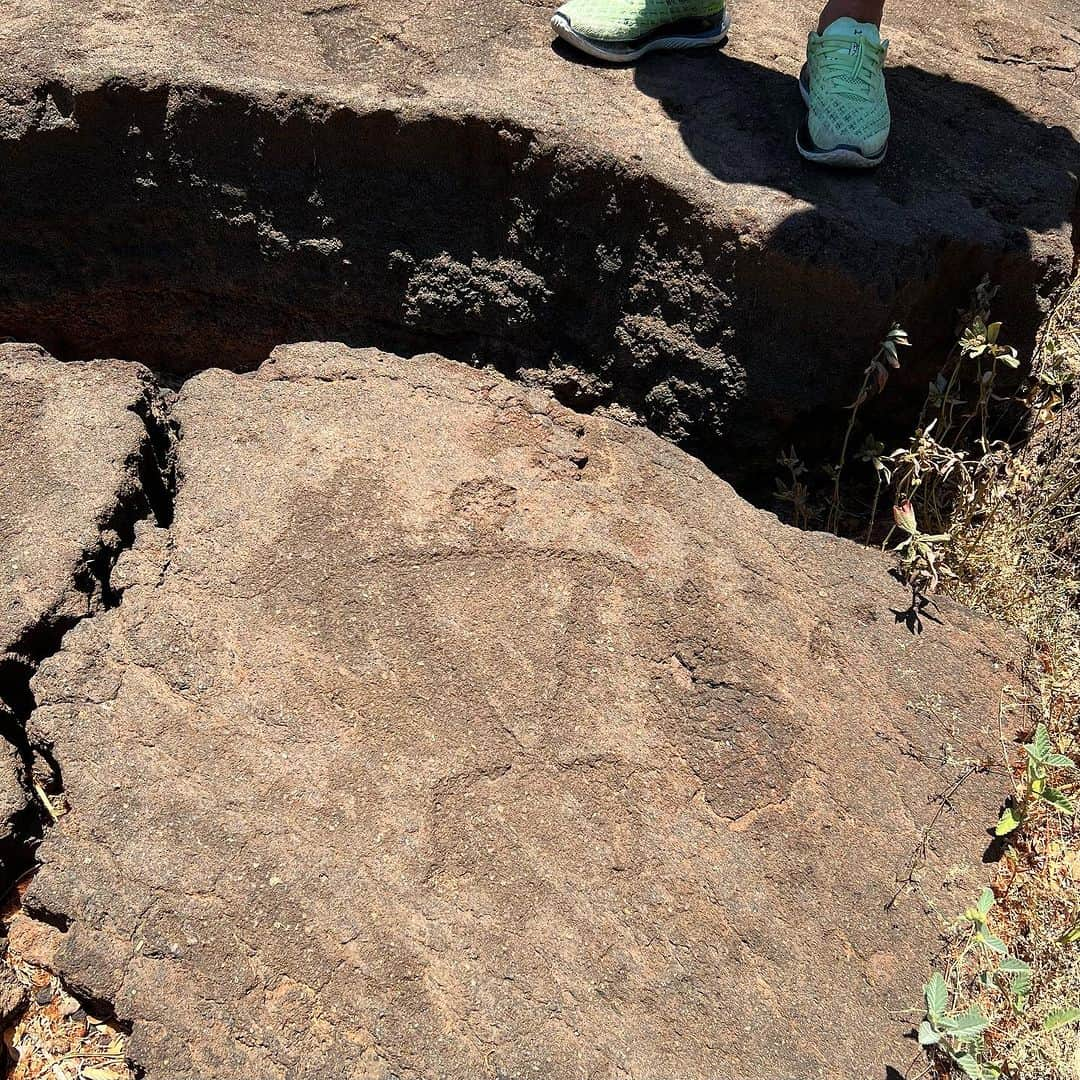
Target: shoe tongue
{"x": 850, "y": 28}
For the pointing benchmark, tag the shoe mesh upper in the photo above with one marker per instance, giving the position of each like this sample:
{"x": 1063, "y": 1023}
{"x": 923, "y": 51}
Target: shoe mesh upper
{"x": 848, "y": 103}
{"x": 625, "y": 20}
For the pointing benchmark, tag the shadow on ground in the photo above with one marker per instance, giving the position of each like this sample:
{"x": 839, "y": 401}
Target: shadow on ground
{"x": 956, "y": 149}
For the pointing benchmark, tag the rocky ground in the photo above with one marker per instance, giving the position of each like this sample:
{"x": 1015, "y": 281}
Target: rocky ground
{"x": 445, "y": 730}
{"x": 433, "y": 717}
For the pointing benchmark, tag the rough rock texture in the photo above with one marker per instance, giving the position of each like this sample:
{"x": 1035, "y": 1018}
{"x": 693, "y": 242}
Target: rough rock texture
{"x": 14, "y": 795}
{"x": 73, "y": 443}
{"x": 448, "y": 733}
{"x": 195, "y": 183}
{"x": 12, "y": 993}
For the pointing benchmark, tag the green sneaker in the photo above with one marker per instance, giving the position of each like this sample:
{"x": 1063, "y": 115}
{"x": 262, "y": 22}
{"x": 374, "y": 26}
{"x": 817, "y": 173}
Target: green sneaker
{"x": 843, "y": 85}
{"x": 623, "y": 30}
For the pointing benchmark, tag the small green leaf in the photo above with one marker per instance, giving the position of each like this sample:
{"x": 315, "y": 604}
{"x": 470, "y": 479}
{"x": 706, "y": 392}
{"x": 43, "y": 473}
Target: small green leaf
{"x": 927, "y": 1035}
{"x": 968, "y": 1025}
{"x": 1058, "y": 800}
{"x": 1009, "y": 821}
{"x": 1060, "y": 761}
{"x": 992, "y": 942}
{"x": 986, "y": 900}
{"x": 1020, "y": 983}
{"x": 967, "y": 1064}
{"x": 1013, "y": 965}
{"x": 1060, "y": 1018}
{"x": 1041, "y": 743}
{"x": 937, "y": 996}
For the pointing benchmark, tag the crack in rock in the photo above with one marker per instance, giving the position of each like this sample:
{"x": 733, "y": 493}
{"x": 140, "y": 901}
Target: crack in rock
{"x": 79, "y": 477}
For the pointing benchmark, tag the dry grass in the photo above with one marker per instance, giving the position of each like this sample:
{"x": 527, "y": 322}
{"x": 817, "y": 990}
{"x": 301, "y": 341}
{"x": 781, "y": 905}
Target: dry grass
{"x": 57, "y": 1039}
{"x": 1019, "y": 560}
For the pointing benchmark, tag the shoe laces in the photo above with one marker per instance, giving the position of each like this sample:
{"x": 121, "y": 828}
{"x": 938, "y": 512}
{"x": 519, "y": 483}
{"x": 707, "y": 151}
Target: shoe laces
{"x": 850, "y": 64}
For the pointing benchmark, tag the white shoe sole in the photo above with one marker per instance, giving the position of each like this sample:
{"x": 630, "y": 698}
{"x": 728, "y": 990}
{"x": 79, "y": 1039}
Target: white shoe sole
{"x": 625, "y": 52}
{"x": 845, "y": 157}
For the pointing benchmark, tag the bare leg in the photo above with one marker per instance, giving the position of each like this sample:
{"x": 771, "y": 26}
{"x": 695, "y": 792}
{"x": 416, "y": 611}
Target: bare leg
{"x": 865, "y": 11}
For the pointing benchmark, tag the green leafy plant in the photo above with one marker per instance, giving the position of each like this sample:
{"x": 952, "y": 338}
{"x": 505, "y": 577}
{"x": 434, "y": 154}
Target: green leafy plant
{"x": 1018, "y": 976}
{"x": 1035, "y": 786}
{"x": 952, "y": 472}
{"x": 957, "y": 1035}
{"x": 977, "y": 916}
{"x": 1012, "y": 973}
{"x": 875, "y": 376}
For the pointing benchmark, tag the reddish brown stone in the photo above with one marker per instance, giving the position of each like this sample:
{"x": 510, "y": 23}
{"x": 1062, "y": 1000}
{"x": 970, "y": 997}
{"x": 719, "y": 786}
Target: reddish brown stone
{"x": 448, "y": 733}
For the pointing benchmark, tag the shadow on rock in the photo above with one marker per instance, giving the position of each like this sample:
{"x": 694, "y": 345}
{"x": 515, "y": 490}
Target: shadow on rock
{"x": 957, "y": 150}
{"x": 972, "y": 186}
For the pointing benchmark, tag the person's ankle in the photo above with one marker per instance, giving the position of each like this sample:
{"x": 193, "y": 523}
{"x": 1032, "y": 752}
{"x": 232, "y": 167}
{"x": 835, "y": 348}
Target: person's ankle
{"x": 864, "y": 11}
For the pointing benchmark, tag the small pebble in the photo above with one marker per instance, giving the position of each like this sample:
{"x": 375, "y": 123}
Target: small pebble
{"x": 69, "y": 1006}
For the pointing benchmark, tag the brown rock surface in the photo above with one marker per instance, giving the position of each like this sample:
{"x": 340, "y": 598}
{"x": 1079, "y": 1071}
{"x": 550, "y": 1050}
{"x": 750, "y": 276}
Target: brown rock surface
{"x": 448, "y": 733}
{"x": 73, "y": 446}
{"x": 195, "y": 183}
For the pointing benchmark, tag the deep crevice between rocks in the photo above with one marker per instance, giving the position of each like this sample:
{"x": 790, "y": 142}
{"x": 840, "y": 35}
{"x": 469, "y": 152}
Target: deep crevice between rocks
{"x": 193, "y": 227}
{"x": 230, "y": 225}
{"x": 151, "y": 497}
{"x": 189, "y": 227}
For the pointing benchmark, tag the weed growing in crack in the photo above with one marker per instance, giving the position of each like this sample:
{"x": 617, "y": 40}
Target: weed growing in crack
{"x": 957, "y": 1035}
{"x": 917, "y": 551}
{"x": 875, "y": 377}
{"x": 793, "y": 489}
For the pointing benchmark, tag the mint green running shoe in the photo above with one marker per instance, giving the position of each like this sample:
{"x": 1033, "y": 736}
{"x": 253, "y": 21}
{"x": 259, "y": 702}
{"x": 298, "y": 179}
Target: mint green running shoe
{"x": 843, "y": 85}
{"x": 624, "y": 30}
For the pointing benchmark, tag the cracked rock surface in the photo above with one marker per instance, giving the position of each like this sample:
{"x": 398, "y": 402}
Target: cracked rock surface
{"x": 449, "y": 733}
{"x": 72, "y": 447}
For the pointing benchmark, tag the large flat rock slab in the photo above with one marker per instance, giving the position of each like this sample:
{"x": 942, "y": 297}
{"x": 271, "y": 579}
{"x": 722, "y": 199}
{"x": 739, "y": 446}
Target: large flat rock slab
{"x": 72, "y": 450}
{"x": 448, "y": 733}
{"x": 438, "y": 177}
